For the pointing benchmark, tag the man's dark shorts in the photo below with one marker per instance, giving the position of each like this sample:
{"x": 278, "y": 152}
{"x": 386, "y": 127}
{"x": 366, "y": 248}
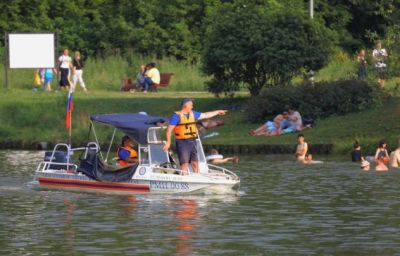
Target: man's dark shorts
{"x": 187, "y": 151}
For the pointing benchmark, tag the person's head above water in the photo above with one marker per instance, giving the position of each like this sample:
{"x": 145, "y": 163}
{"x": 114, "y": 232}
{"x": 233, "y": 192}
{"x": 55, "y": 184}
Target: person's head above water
{"x": 214, "y": 152}
{"x": 382, "y": 144}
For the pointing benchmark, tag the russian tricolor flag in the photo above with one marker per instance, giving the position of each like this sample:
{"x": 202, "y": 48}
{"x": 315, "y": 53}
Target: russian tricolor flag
{"x": 70, "y": 107}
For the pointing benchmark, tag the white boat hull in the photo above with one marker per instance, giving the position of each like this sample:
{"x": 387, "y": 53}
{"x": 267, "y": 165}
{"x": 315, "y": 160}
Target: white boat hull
{"x": 155, "y": 183}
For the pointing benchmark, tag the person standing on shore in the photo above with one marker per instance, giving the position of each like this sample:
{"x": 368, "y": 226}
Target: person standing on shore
{"x": 380, "y": 55}
{"x": 64, "y": 65}
{"x": 48, "y": 77}
{"x": 362, "y": 65}
{"x": 183, "y": 124}
{"x": 78, "y": 72}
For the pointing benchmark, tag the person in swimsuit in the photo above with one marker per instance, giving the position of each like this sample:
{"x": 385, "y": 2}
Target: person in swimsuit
{"x": 302, "y": 148}
{"x": 380, "y": 164}
{"x": 381, "y": 152}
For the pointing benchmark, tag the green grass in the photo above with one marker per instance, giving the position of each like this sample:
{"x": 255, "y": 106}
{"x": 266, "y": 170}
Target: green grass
{"x": 106, "y": 73}
{"x": 31, "y": 117}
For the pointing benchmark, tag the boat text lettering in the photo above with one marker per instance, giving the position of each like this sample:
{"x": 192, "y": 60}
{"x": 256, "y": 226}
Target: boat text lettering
{"x": 169, "y": 185}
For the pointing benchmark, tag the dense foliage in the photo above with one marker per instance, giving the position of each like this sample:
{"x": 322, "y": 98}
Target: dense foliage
{"x": 147, "y": 27}
{"x": 321, "y": 100}
{"x": 176, "y": 27}
{"x": 257, "y": 46}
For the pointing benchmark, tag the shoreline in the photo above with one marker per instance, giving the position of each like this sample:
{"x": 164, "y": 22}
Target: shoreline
{"x": 269, "y": 149}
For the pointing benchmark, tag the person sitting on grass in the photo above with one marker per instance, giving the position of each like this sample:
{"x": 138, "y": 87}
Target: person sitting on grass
{"x": 270, "y": 128}
{"x": 296, "y": 122}
{"x": 203, "y": 125}
{"x": 126, "y": 154}
{"x": 216, "y": 158}
{"x": 380, "y": 164}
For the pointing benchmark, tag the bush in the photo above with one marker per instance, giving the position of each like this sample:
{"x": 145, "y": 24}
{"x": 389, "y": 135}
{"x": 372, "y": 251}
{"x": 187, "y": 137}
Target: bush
{"x": 321, "y": 100}
{"x": 254, "y": 45}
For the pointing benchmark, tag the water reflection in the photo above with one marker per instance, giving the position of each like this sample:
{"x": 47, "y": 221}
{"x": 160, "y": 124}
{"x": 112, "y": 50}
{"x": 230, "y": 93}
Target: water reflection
{"x": 186, "y": 214}
{"x": 284, "y": 207}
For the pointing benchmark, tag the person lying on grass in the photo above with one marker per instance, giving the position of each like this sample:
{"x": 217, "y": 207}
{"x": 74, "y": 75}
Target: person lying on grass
{"x": 270, "y": 128}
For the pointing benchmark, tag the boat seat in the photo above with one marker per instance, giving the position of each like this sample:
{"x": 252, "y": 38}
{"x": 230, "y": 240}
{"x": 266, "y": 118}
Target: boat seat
{"x": 93, "y": 167}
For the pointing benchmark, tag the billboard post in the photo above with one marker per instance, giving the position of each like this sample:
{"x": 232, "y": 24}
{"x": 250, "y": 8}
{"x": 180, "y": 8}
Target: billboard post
{"x": 6, "y": 60}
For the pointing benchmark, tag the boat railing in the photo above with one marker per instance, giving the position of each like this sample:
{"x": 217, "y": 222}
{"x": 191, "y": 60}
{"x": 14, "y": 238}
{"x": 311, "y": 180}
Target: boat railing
{"x": 223, "y": 170}
{"x": 46, "y": 166}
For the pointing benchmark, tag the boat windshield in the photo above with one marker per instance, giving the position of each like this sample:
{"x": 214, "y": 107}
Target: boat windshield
{"x": 157, "y": 154}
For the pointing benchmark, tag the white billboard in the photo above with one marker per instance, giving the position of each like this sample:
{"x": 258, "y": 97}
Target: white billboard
{"x": 31, "y": 50}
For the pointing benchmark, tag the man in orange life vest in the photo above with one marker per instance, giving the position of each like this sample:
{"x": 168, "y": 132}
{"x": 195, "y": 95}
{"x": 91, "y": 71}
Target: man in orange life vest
{"x": 183, "y": 123}
{"x": 126, "y": 154}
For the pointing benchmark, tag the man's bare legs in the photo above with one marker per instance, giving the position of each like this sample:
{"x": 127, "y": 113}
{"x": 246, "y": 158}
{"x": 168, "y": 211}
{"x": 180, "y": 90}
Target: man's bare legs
{"x": 185, "y": 167}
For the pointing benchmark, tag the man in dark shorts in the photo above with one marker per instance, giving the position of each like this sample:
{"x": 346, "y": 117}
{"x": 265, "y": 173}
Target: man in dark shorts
{"x": 183, "y": 123}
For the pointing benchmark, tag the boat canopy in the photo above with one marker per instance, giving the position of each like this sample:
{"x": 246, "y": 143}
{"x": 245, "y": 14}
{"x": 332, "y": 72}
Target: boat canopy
{"x": 134, "y": 125}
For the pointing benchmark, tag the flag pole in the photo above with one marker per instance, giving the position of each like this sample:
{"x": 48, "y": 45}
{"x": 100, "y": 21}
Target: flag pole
{"x": 70, "y": 127}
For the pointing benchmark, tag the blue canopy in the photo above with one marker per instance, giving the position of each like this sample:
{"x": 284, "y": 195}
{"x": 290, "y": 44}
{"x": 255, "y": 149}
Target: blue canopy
{"x": 134, "y": 125}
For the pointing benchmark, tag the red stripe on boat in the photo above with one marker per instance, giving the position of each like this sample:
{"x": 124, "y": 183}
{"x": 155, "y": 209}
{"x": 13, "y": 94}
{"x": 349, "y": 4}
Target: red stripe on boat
{"x": 93, "y": 184}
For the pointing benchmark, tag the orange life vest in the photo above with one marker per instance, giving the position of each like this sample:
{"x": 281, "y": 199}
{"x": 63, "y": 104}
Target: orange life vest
{"x": 132, "y": 154}
{"x": 186, "y": 129}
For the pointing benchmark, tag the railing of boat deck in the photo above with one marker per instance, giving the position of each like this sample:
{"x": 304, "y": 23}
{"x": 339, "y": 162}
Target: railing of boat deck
{"x": 225, "y": 171}
{"x": 45, "y": 165}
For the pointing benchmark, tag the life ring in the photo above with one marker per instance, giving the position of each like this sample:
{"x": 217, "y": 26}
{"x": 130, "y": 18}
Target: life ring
{"x": 212, "y": 157}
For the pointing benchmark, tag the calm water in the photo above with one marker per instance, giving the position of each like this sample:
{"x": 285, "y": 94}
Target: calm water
{"x": 283, "y": 208}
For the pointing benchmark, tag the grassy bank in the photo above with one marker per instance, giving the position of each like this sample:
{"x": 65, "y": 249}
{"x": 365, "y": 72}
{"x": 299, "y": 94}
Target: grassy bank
{"x": 104, "y": 74}
{"x": 30, "y": 117}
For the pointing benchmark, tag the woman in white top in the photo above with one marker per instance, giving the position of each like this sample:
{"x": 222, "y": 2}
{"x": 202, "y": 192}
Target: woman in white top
{"x": 302, "y": 148}
{"x": 380, "y": 55}
{"x": 64, "y": 64}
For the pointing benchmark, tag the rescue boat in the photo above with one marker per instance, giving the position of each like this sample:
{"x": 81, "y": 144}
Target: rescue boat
{"x": 156, "y": 172}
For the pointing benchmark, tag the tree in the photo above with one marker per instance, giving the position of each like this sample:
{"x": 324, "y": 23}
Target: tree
{"x": 257, "y": 46}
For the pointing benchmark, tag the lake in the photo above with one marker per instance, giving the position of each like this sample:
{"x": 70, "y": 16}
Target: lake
{"x": 282, "y": 208}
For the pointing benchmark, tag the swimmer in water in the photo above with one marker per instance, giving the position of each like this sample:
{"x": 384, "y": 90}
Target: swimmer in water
{"x": 364, "y": 165}
{"x": 380, "y": 164}
{"x": 216, "y": 158}
{"x": 309, "y": 160}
